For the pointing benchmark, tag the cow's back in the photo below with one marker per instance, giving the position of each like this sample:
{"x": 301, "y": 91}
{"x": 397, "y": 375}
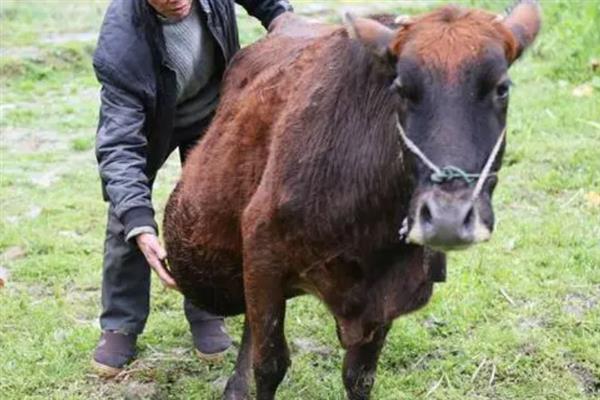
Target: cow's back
{"x": 222, "y": 173}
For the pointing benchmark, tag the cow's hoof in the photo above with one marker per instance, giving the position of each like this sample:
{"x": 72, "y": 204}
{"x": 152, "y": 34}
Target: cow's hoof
{"x": 236, "y": 389}
{"x": 235, "y": 396}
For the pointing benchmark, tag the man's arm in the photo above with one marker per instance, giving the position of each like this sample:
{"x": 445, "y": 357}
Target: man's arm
{"x": 265, "y": 10}
{"x": 121, "y": 147}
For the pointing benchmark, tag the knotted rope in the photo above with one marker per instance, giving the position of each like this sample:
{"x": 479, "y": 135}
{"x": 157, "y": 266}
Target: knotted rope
{"x": 449, "y": 173}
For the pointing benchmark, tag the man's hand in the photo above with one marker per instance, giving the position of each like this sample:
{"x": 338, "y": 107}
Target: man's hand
{"x": 281, "y": 20}
{"x": 156, "y": 256}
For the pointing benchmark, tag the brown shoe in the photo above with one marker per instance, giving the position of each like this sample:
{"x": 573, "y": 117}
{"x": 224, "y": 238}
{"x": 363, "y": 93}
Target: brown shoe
{"x": 114, "y": 351}
{"x": 211, "y": 340}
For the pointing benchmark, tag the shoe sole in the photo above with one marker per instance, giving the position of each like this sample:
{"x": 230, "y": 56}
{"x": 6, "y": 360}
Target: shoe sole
{"x": 105, "y": 371}
{"x": 215, "y": 357}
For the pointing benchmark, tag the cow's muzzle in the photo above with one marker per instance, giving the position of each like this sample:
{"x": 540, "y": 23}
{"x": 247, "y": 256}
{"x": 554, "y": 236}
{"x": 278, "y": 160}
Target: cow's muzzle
{"x": 449, "y": 220}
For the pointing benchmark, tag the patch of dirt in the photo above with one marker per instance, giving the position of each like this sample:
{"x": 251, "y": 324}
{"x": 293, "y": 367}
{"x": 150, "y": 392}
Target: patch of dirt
{"x": 589, "y": 380}
{"x": 528, "y": 349}
{"x": 13, "y": 253}
{"x": 584, "y": 90}
{"x": 39, "y": 292}
{"x": 47, "y": 178}
{"x": 84, "y": 302}
{"x": 140, "y": 391}
{"x": 305, "y": 345}
{"x": 117, "y": 390}
{"x": 577, "y": 304}
{"x": 529, "y": 323}
{"x": 26, "y": 141}
{"x": 433, "y": 323}
{"x": 21, "y": 52}
{"x": 85, "y": 94}
{"x": 68, "y": 37}
{"x": 71, "y": 234}
{"x": 54, "y": 171}
{"x": 31, "y": 214}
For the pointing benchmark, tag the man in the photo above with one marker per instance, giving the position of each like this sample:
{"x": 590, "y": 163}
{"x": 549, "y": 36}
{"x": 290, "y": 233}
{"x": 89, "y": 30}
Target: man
{"x": 160, "y": 63}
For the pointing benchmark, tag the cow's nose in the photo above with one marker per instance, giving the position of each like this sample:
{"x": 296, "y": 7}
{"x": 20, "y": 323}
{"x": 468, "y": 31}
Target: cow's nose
{"x": 447, "y": 223}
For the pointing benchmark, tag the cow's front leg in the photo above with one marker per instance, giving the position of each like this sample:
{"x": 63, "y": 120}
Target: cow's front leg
{"x": 265, "y": 311}
{"x": 360, "y": 366}
{"x": 270, "y": 356}
{"x": 238, "y": 385}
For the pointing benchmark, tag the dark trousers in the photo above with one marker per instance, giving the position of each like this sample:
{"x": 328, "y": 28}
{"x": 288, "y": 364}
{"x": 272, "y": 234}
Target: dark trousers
{"x": 126, "y": 275}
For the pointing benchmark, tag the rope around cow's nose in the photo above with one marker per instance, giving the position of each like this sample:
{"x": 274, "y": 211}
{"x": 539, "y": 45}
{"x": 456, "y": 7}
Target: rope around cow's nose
{"x": 449, "y": 173}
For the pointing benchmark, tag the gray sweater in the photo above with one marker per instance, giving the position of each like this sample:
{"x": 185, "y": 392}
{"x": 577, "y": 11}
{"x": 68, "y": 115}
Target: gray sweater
{"x": 191, "y": 54}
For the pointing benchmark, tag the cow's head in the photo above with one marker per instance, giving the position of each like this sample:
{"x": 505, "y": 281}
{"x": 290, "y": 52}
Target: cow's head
{"x": 451, "y": 82}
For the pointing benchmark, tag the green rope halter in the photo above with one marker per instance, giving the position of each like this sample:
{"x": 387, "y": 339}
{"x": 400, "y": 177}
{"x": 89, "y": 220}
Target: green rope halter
{"x": 449, "y": 173}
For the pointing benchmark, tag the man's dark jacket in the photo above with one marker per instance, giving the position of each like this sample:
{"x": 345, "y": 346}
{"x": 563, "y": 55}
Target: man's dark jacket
{"x": 139, "y": 95}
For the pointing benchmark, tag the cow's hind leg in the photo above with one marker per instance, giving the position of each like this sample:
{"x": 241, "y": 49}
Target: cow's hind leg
{"x": 238, "y": 385}
{"x": 360, "y": 365}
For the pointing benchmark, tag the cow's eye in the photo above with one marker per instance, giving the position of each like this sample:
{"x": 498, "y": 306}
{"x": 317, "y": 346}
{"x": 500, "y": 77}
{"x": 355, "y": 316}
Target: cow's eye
{"x": 407, "y": 92}
{"x": 399, "y": 88}
{"x": 503, "y": 90}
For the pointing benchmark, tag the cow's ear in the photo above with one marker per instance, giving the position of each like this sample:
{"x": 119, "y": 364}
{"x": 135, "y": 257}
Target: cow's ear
{"x": 524, "y": 21}
{"x": 372, "y": 34}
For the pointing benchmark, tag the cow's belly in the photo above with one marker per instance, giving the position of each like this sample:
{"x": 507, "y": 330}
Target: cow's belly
{"x": 211, "y": 280}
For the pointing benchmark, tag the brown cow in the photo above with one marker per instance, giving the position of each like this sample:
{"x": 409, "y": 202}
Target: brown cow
{"x": 328, "y": 140}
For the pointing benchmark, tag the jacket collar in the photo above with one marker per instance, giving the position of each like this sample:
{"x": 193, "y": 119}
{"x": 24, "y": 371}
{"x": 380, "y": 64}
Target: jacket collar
{"x": 153, "y": 32}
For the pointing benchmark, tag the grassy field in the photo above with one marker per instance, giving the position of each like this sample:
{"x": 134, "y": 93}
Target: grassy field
{"x": 519, "y": 318}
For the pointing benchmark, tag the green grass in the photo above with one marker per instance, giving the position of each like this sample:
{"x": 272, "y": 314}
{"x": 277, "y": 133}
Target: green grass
{"x": 518, "y": 318}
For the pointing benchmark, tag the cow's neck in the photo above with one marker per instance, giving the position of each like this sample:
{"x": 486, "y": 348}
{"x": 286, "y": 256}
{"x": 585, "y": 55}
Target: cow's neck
{"x": 350, "y": 169}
